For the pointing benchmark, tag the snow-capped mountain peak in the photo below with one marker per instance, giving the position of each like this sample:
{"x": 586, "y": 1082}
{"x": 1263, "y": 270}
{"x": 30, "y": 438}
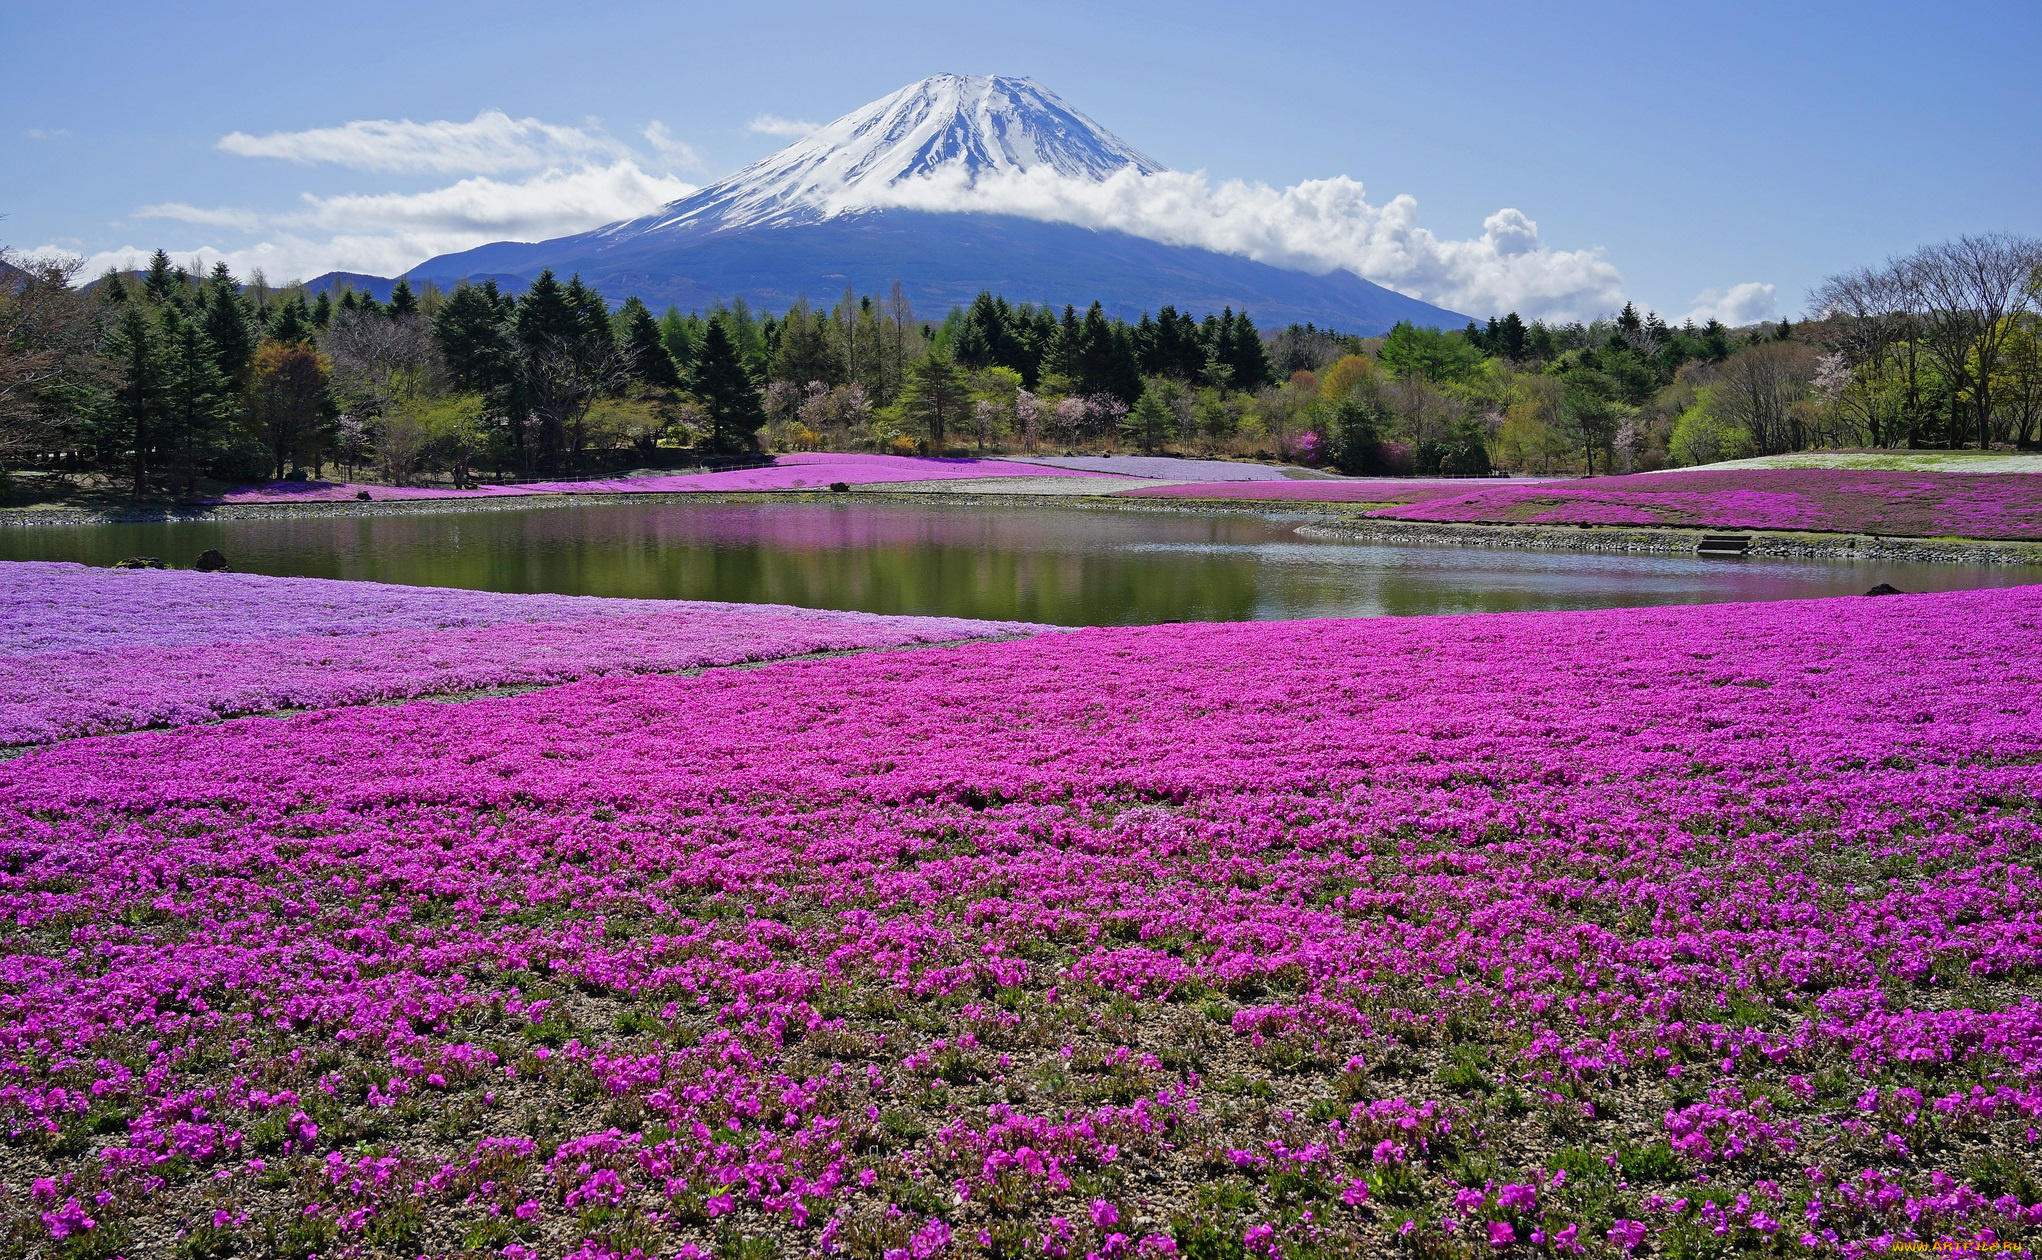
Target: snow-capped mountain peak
{"x": 962, "y": 127}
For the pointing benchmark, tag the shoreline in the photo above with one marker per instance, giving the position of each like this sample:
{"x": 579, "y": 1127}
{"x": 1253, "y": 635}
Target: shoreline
{"x": 1681, "y": 540}
{"x": 1317, "y": 519}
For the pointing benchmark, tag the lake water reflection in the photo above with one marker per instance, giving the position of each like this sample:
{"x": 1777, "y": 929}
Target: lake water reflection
{"x": 1062, "y": 564}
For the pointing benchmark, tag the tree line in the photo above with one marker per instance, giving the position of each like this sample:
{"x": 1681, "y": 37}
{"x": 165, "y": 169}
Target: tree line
{"x": 169, "y": 377}
{"x": 1938, "y": 347}
{"x": 162, "y": 380}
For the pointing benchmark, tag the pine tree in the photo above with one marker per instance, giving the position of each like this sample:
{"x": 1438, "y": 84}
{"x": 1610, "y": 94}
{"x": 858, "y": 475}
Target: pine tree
{"x": 680, "y": 333}
{"x": 322, "y": 309}
{"x": 472, "y": 332}
{"x": 292, "y": 323}
{"x": 403, "y": 301}
{"x": 804, "y": 352}
{"x": 1099, "y": 369}
{"x": 1509, "y": 340}
{"x": 645, "y": 348}
{"x": 160, "y": 282}
{"x": 1146, "y": 348}
{"x": 197, "y": 396}
{"x": 936, "y": 396}
{"x": 1354, "y": 441}
{"x": 131, "y": 418}
{"x": 543, "y": 312}
{"x": 568, "y": 358}
{"x": 1065, "y": 354}
{"x": 473, "y": 329}
{"x": 727, "y": 392}
{"x": 229, "y": 324}
{"x": 591, "y": 316}
{"x": 1248, "y": 356}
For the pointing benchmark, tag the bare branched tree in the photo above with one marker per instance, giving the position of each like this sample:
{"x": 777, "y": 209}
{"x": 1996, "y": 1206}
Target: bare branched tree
{"x": 379, "y": 359}
{"x": 566, "y": 375}
{"x": 903, "y": 340}
{"x": 49, "y": 333}
{"x": 1757, "y": 388}
{"x": 1868, "y": 324}
{"x": 1971, "y": 291}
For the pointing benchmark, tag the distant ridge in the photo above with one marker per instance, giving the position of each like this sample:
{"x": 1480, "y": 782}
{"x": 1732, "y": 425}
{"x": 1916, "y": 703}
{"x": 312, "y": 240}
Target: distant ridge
{"x": 380, "y": 287}
{"x": 815, "y": 217}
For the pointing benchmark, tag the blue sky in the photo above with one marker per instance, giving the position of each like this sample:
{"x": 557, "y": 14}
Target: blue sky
{"x": 1691, "y": 150}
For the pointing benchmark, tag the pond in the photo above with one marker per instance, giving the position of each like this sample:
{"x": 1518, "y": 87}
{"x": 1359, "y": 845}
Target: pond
{"x": 1062, "y": 564}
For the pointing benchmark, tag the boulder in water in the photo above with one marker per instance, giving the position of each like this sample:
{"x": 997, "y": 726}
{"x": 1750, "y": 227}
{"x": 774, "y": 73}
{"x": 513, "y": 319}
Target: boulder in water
{"x": 140, "y": 562}
{"x": 840, "y": 487}
{"x": 1885, "y": 588}
{"x": 210, "y": 561}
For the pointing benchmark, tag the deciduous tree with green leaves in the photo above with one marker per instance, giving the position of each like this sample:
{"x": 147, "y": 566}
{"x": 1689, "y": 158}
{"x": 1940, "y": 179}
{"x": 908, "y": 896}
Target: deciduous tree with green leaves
{"x": 936, "y": 398}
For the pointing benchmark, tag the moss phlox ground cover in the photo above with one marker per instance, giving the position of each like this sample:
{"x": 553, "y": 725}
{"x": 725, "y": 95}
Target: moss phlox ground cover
{"x": 800, "y": 471}
{"x": 1916, "y": 504}
{"x": 1694, "y": 931}
{"x": 87, "y": 651}
{"x": 1968, "y": 505}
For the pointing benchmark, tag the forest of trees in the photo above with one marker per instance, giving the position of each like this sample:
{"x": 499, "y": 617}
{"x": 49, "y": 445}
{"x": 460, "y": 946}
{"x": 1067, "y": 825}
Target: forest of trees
{"x": 163, "y": 380}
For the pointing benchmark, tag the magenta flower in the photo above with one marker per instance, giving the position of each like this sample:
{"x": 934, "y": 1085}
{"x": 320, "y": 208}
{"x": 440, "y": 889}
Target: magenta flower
{"x": 67, "y": 1220}
{"x": 1628, "y": 1235}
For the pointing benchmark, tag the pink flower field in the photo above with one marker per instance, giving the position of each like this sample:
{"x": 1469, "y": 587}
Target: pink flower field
{"x": 788, "y": 472}
{"x": 1699, "y": 931}
{"x": 86, "y": 651}
{"x": 1968, "y": 505}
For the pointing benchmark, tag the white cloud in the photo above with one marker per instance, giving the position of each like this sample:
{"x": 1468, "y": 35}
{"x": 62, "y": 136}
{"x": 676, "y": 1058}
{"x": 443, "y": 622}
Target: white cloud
{"x": 491, "y": 143}
{"x": 386, "y": 233}
{"x": 774, "y": 125}
{"x": 681, "y": 154}
{"x": 524, "y": 180}
{"x": 1317, "y": 226}
{"x": 1740, "y": 304}
{"x": 225, "y": 216}
{"x": 550, "y": 204}
{"x": 46, "y": 133}
{"x": 283, "y": 259}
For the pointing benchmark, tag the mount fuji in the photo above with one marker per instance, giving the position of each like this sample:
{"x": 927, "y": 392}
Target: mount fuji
{"x": 857, "y": 204}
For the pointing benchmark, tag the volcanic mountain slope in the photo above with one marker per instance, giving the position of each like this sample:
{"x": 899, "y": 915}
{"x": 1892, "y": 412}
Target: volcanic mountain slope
{"x": 840, "y": 208}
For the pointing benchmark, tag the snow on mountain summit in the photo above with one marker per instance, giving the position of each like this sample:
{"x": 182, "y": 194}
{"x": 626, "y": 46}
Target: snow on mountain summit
{"x": 948, "y": 126}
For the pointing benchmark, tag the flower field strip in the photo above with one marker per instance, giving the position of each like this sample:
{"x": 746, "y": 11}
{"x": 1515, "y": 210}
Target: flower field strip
{"x": 1357, "y": 490}
{"x": 1968, "y": 505}
{"x": 788, "y": 472}
{"x": 90, "y": 651}
{"x": 1705, "y": 930}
